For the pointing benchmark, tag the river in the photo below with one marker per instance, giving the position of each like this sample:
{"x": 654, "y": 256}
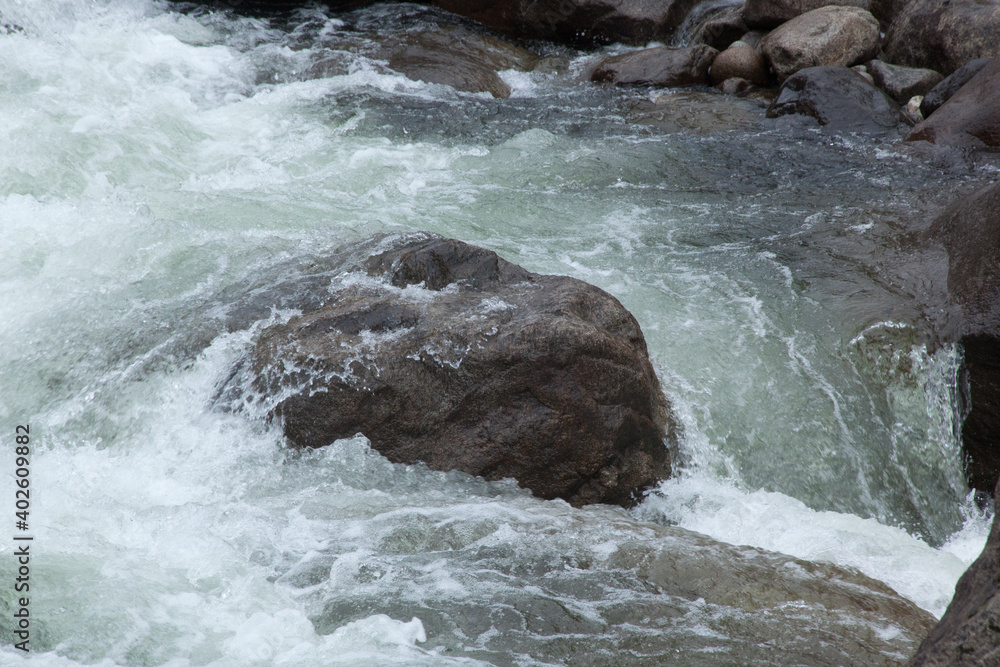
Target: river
{"x": 152, "y": 158}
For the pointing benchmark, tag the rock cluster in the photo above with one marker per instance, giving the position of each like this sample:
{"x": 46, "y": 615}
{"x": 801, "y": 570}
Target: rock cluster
{"x": 970, "y": 117}
{"x": 445, "y": 353}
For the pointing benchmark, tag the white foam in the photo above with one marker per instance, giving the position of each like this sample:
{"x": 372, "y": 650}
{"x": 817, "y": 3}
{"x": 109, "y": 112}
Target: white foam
{"x": 776, "y": 522}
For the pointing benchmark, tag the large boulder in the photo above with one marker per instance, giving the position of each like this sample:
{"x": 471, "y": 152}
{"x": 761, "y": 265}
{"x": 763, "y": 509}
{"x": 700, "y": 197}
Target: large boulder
{"x": 445, "y": 353}
{"x": 825, "y": 36}
{"x": 657, "y": 66}
{"x": 944, "y": 35}
{"x": 970, "y": 231}
{"x": 838, "y": 98}
{"x": 971, "y": 117}
{"x": 902, "y": 83}
{"x": 772, "y": 13}
{"x": 968, "y": 634}
{"x": 951, "y": 84}
{"x": 580, "y": 22}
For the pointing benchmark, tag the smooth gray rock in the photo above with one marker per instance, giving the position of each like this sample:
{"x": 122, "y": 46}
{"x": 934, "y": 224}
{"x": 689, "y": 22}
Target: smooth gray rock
{"x": 740, "y": 61}
{"x": 825, "y": 36}
{"x": 901, "y": 82}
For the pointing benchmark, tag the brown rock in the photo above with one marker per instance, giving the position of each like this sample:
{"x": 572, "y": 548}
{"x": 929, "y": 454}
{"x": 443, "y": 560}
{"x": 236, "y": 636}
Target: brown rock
{"x": 952, "y": 83}
{"x": 580, "y": 22}
{"x": 448, "y": 55}
{"x": 735, "y": 86}
{"x": 902, "y": 83}
{"x": 722, "y": 29}
{"x": 943, "y": 36}
{"x": 968, "y": 634}
{"x": 442, "y": 352}
{"x": 754, "y": 38}
{"x": 772, "y": 13}
{"x": 970, "y": 231}
{"x": 971, "y": 117}
{"x": 740, "y": 61}
{"x": 825, "y": 36}
{"x": 658, "y": 66}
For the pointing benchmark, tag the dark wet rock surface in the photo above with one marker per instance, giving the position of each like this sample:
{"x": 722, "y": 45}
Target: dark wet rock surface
{"x": 951, "y": 84}
{"x": 839, "y": 99}
{"x": 970, "y": 232}
{"x": 969, "y": 632}
{"x": 970, "y": 117}
{"x": 484, "y": 368}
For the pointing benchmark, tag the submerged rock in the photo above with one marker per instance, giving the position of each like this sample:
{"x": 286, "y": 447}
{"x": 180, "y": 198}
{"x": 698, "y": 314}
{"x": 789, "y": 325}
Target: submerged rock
{"x": 443, "y": 352}
{"x": 944, "y": 35}
{"x": 839, "y": 98}
{"x": 658, "y": 66}
{"x": 969, "y": 632}
{"x": 825, "y": 36}
{"x": 971, "y": 117}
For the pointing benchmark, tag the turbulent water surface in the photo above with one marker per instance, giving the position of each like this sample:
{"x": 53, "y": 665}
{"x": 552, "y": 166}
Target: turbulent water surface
{"x": 153, "y": 159}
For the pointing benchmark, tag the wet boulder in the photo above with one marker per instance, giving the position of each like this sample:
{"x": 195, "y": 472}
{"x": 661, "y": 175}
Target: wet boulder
{"x": 772, "y": 13}
{"x": 657, "y": 66}
{"x": 944, "y": 35}
{"x": 971, "y": 117}
{"x": 969, "y": 632}
{"x": 838, "y": 98}
{"x": 903, "y": 83}
{"x": 825, "y": 36}
{"x": 443, "y": 352}
{"x": 579, "y": 22}
{"x": 970, "y": 232}
{"x": 951, "y": 84}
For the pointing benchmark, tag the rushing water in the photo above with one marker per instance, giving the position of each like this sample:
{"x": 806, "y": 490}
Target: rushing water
{"x": 151, "y": 160}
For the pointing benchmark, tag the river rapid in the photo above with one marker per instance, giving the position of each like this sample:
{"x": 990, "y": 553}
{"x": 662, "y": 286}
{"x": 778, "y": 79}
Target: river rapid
{"x": 152, "y": 158}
